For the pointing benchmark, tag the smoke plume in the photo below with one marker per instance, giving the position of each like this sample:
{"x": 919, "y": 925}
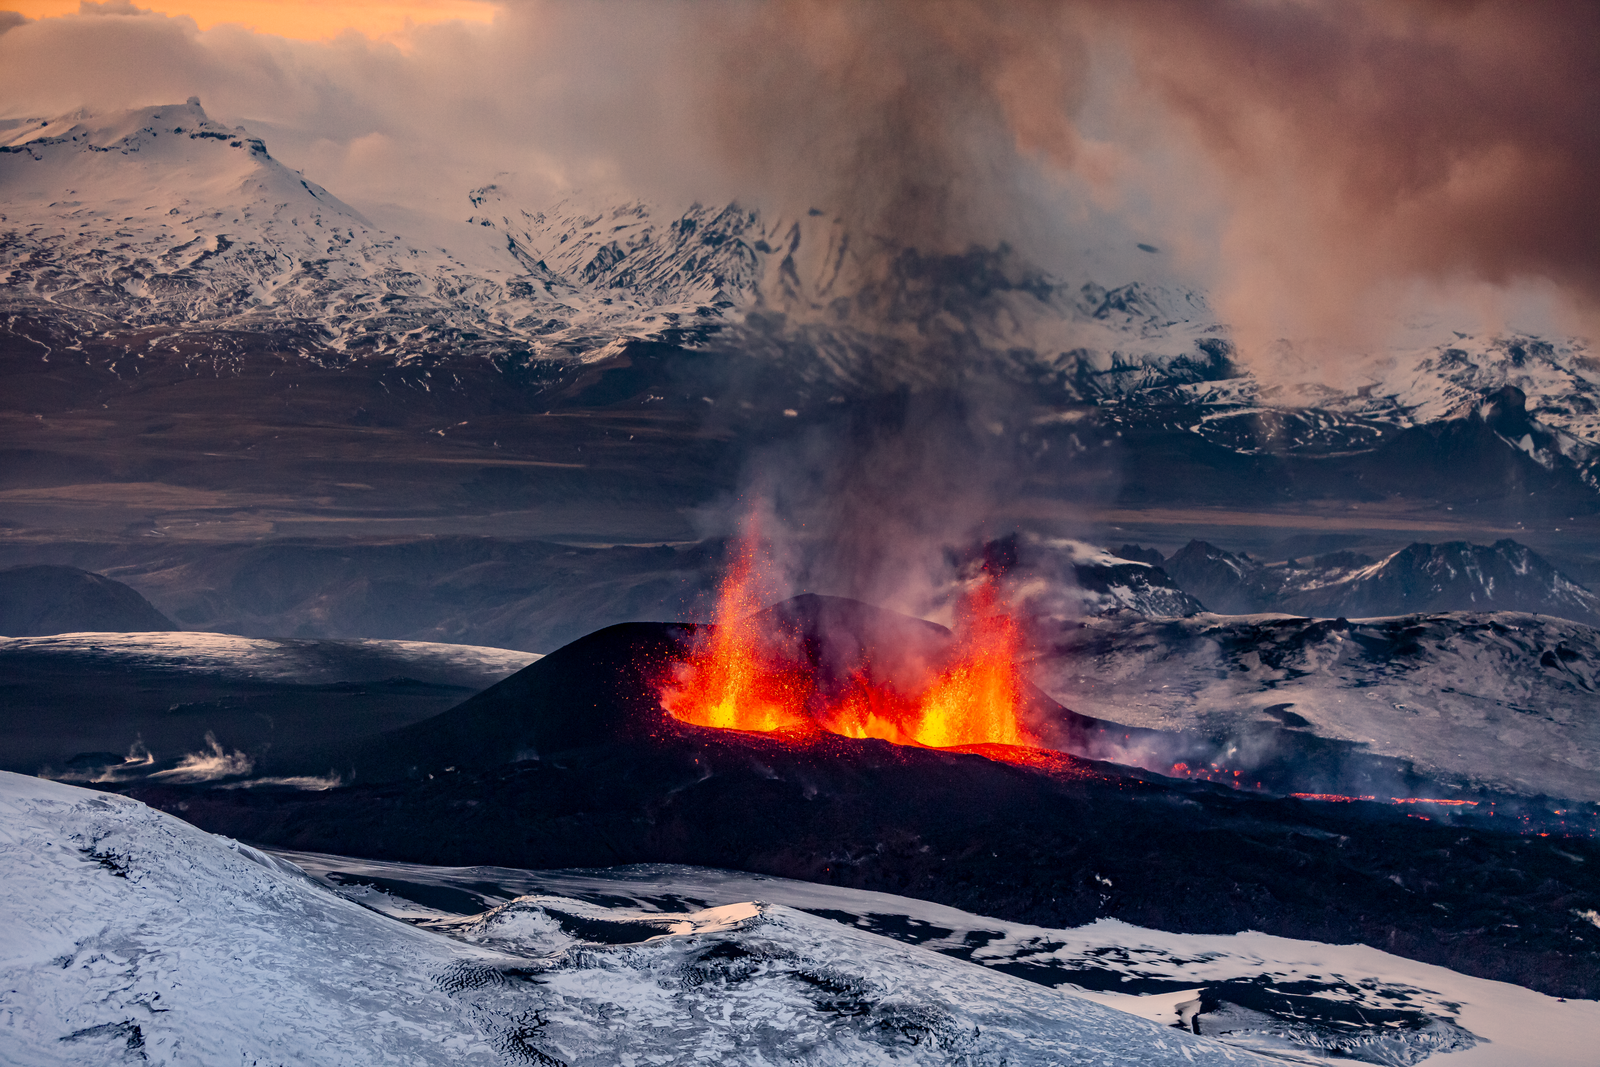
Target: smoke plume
{"x": 1363, "y": 144}
{"x": 905, "y": 116}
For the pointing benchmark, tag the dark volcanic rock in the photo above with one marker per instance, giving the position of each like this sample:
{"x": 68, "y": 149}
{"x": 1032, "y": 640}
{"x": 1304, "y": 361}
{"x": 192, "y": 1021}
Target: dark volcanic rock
{"x": 571, "y": 763}
{"x": 599, "y": 690}
{"x": 1022, "y": 843}
{"x": 42, "y": 600}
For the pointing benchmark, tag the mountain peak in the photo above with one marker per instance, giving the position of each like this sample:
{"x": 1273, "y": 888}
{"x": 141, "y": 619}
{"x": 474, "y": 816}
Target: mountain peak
{"x": 127, "y": 131}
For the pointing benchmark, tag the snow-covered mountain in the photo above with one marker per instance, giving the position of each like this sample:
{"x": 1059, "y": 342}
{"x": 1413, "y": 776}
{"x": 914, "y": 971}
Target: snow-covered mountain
{"x": 855, "y": 309}
{"x": 1062, "y": 578}
{"x": 160, "y": 217}
{"x": 129, "y": 935}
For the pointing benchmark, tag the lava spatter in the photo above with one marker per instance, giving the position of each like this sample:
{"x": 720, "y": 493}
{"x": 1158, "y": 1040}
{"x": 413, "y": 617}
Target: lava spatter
{"x": 732, "y": 679}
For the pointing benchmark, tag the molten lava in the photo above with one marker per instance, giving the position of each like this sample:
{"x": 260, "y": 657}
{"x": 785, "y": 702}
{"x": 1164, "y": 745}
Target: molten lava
{"x": 974, "y": 700}
{"x": 741, "y": 677}
{"x": 732, "y": 680}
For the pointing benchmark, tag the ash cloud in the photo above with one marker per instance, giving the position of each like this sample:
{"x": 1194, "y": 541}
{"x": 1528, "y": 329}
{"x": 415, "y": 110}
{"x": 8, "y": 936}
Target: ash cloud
{"x": 906, "y": 117}
{"x": 1363, "y": 144}
{"x": 1346, "y": 150}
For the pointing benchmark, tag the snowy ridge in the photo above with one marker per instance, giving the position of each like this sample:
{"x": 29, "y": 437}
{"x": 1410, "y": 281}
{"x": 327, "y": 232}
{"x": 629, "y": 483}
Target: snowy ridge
{"x": 160, "y": 217}
{"x": 847, "y": 300}
{"x": 131, "y": 935}
{"x": 1062, "y": 578}
{"x": 1456, "y": 575}
{"x": 1500, "y": 700}
{"x": 1417, "y": 382}
{"x": 300, "y": 660}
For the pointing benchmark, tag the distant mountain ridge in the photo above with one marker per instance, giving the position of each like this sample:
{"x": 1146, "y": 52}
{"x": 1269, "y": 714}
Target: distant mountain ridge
{"x": 1455, "y": 576}
{"x": 161, "y": 217}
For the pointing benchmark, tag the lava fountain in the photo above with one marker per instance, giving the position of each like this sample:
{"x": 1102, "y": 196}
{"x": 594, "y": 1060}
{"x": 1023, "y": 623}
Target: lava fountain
{"x": 734, "y": 679}
{"x": 745, "y": 674}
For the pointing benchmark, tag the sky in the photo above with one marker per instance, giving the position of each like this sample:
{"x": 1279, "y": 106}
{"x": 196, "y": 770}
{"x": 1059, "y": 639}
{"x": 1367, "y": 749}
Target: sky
{"x": 290, "y": 18}
{"x": 1321, "y": 164}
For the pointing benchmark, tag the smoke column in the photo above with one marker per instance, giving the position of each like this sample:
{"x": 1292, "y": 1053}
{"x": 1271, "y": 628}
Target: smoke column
{"x": 1363, "y": 144}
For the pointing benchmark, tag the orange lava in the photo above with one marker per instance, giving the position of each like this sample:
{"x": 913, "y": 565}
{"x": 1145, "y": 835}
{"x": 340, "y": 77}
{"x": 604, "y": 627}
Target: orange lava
{"x": 737, "y": 678}
{"x": 973, "y": 701}
{"x": 731, "y": 679}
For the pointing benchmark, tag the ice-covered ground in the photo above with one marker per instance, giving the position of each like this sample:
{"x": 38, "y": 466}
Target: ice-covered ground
{"x": 1295, "y": 1001}
{"x": 127, "y": 935}
{"x": 1504, "y": 700}
{"x": 299, "y": 661}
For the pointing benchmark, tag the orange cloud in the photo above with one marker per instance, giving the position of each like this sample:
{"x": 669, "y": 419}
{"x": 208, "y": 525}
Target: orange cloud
{"x": 308, "y": 20}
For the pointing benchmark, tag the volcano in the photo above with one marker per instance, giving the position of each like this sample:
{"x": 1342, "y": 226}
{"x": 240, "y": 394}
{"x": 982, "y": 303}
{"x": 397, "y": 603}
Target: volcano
{"x": 574, "y": 762}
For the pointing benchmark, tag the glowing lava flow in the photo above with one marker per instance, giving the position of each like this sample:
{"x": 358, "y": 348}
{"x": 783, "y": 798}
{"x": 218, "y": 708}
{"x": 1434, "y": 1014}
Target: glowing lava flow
{"x": 973, "y": 700}
{"x": 730, "y": 681}
{"x": 736, "y": 679}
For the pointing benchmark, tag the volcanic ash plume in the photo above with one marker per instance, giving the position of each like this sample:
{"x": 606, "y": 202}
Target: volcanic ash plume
{"x": 904, "y": 116}
{"x": 1363, "y": 143}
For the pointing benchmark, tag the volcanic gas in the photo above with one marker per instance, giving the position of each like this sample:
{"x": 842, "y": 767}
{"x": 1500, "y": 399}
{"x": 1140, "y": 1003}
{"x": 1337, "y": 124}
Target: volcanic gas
{"x": 748, "y": 671}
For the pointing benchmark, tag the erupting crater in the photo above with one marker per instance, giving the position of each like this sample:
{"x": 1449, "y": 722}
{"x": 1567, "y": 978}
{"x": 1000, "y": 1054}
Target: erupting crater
{"x": 826, "y": 664}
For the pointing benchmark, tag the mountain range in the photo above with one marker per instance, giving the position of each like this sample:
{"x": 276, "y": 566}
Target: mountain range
{"x": 1456, "y": 576}
{"x": 150, "y": 258}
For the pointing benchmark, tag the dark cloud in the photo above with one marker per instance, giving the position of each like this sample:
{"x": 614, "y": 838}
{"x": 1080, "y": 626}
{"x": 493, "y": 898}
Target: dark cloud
{"x": 110, "y": 7}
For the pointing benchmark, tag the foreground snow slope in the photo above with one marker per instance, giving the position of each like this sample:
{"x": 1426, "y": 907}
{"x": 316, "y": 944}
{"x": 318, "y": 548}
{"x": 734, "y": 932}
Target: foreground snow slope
{"x": 126, "y": 934}
{"x": 1307, "y": 998}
